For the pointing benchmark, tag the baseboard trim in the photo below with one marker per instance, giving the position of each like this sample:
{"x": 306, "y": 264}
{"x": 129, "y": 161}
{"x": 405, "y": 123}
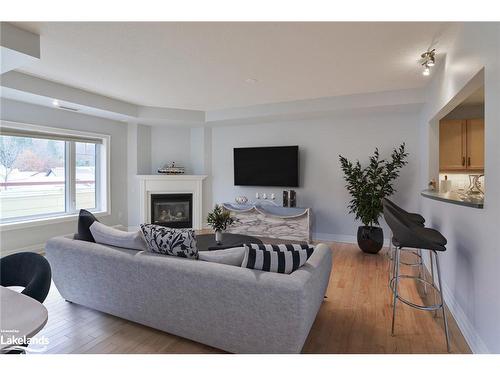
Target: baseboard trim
{"x": 343, "y": 238}
{"x": 37, "y": 248}
{"x": 476, "y": 344}
{"x": 473, "y": 339}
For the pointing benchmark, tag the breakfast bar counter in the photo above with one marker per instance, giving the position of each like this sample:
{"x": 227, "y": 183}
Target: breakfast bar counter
{"x": 455, "y": 197}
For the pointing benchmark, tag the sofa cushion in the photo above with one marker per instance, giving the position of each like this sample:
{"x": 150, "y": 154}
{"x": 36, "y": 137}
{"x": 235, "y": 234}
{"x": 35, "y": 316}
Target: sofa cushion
{"x": 170, "y": 241}
{"x": 106, "y": 235}
{"x": 276, "y": 258}
{"x": 85, "y": 220}
{"x": 232, "y": 256}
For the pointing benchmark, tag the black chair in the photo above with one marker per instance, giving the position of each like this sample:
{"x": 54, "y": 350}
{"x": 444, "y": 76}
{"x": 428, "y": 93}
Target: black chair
{"x": 407, "y": 236}
{"x": 29, "y": 270}
{"x": 413, "y": 219}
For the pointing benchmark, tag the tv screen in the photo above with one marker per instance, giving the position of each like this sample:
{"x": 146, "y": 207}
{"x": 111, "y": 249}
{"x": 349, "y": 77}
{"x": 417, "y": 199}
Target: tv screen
{"x": 267, "y": 166}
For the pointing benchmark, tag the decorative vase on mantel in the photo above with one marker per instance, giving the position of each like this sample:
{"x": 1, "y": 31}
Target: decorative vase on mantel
{"x": 218, "y": 237}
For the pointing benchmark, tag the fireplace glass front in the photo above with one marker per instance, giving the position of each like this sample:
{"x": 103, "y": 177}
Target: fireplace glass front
{"x": 172, "y": 210}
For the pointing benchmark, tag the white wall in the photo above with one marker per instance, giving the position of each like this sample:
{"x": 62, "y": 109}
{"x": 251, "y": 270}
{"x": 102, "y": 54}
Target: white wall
{"x": 170, "y": 144}
{"x": 321, "y": 140}
{"x": 33, "y": 114}
{"x": 201, "y": 163}
{"x": 471, "y": 263}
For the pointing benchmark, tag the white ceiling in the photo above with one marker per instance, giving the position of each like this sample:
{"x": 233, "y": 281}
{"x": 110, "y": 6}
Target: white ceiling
{"x": 204, "y": 66}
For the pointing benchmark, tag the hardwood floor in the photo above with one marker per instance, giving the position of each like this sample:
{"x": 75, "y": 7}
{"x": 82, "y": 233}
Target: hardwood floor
{"x": 354, "y": 318}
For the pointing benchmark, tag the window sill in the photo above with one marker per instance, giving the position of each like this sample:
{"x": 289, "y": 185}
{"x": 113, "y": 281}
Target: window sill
{"x": 46, "y": 221}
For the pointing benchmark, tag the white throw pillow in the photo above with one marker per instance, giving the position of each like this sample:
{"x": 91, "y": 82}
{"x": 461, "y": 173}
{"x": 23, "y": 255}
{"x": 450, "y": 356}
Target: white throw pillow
{"x": 232, "y": 256}
{"x": 106, "y": 235}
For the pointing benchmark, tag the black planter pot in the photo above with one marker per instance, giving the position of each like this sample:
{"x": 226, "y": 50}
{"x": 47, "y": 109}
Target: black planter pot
{"x": 370, "y": 239}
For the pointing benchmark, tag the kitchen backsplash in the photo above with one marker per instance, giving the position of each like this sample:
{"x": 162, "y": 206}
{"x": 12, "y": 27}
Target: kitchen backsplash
{"x": 458, "y": 180}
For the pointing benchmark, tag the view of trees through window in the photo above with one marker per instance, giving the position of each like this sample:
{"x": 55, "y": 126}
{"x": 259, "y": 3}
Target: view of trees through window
{"x": 33, "y": 176}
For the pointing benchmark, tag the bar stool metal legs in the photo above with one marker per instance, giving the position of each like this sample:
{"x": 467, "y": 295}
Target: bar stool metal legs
{"x": 394, "y": 284}
{"x": 395, "y": 291}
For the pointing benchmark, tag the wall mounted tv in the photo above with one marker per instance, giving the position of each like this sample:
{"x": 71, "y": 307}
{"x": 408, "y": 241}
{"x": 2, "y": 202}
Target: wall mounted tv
{"x": 267, "y": 166}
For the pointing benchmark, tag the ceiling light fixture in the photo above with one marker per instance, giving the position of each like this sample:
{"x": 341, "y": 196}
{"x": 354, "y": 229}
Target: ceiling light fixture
{"x": 428, "y": 60}
{"x": 251, "y": 80}
{"x": 55, "y": 103}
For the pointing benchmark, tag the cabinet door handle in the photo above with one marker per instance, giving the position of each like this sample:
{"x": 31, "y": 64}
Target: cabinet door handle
{"x": 463, "y": 161}
{"x": 468, "y": 161}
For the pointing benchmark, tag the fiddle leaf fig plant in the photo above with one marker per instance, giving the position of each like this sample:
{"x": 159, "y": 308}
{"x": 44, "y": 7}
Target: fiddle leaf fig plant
{"x": 369, "y": 185}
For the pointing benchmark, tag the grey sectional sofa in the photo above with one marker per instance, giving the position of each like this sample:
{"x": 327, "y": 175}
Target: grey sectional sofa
{"x": 235, "y": 309}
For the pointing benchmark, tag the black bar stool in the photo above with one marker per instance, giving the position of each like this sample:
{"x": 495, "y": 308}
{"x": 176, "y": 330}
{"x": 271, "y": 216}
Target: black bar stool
{"x": 406, "y": 235}
{"x": 414, "y": 219}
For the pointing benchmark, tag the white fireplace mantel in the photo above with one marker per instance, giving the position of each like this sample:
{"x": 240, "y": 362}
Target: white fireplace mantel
{"x": 171, "y": 184}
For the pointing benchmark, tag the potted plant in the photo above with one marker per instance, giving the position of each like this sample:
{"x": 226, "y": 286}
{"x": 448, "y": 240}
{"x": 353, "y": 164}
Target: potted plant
{"x": 368, "y": 186}
{"x": 219, "y": 219}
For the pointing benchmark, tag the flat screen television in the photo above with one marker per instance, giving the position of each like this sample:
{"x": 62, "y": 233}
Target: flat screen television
{"x": 267, "y": 166}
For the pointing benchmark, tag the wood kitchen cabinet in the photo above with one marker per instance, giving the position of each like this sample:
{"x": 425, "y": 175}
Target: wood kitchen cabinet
{"x": 461, "y": 145}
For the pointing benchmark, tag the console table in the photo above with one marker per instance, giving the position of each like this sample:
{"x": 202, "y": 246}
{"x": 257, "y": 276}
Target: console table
{"x": 267, "y": 220}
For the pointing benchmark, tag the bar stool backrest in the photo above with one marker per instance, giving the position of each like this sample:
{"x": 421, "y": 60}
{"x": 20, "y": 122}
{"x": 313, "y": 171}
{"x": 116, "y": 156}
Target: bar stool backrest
{"x": 413, "y": 219}
{"x": 400, "y": 227}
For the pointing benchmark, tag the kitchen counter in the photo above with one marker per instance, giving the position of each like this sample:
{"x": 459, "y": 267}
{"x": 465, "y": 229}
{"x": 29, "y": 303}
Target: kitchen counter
{"x": 454, "y": 198}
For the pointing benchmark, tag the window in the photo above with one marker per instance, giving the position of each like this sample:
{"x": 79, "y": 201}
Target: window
{"x": 46, "y": 172}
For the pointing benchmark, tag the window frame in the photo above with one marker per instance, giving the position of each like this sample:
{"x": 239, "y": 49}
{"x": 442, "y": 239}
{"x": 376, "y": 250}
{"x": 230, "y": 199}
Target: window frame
{"x": 102, "y": 170}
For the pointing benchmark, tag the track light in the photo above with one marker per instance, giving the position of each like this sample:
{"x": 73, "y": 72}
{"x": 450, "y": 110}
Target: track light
{"x": 428, "y": 60}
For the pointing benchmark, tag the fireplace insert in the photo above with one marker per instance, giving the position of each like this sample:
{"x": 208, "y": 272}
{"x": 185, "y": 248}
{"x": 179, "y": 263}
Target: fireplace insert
{"x": 172, "y": 210}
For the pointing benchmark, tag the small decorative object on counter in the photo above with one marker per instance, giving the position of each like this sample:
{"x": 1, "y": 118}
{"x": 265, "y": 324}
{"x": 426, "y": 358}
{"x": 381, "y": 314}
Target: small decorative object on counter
{"x": 475, "y": 184}
{"x": 171, "y": 169}
{"x": 241, "y": 199}
{"x": 285, "y": 198}
{"x": 432, "y": 185}
{"x": 293, "y": 198}
{"x": 445, "y": 185}
{"x": 219, "y": 219}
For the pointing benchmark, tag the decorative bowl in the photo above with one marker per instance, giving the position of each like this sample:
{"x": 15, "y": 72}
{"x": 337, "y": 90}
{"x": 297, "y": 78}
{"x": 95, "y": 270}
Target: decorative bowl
{"x": 241, "y": 200}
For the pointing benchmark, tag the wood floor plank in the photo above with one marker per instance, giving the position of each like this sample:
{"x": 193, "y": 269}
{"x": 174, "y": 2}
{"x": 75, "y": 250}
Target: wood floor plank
{"x": 354, "y": 318}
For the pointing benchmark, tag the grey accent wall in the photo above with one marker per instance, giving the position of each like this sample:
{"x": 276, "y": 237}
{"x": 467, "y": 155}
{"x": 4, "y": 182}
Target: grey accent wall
{"x": 33, "y": 114}
{"x": 321, "y": 140}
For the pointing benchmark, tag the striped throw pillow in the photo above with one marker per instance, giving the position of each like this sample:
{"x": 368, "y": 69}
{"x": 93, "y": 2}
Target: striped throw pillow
{"x": 276, "y": 258}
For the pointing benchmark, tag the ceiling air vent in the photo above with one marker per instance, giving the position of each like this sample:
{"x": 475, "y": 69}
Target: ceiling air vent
{"x": 68, "y": 108}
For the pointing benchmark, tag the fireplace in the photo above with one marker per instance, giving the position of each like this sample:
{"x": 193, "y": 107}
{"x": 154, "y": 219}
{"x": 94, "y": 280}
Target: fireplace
{"x": 172, "y": 210}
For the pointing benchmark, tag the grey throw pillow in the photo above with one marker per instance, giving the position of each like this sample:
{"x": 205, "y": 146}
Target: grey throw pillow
{"x": 106, "y": 235}
{"x": 232, "y": 256}
{"x": 170, "y": 241}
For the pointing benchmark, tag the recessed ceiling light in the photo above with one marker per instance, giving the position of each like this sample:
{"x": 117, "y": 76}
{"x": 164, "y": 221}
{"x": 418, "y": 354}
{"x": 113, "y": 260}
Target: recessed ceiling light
{"x": 55, "y": 103}
{"x": 251, "y": 80}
